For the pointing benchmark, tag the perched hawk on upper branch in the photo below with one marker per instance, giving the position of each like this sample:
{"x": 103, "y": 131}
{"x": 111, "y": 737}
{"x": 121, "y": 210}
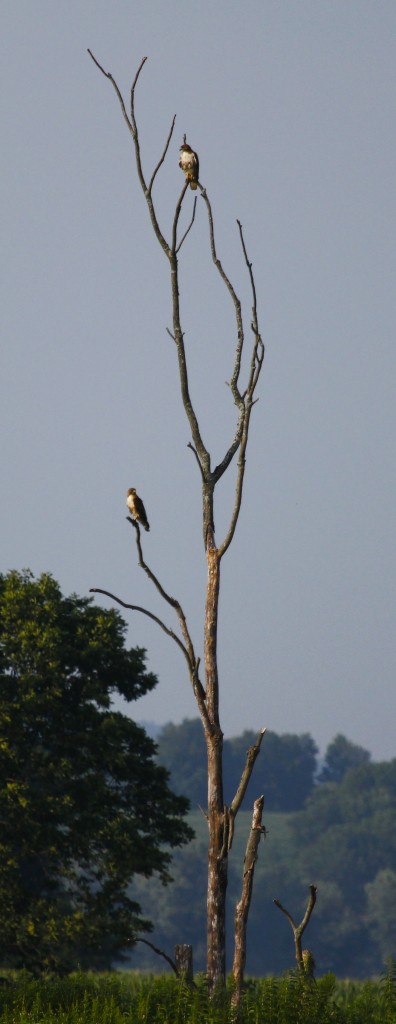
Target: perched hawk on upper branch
{"x": 189, "y": 163}
{"x": 137, "y": 508}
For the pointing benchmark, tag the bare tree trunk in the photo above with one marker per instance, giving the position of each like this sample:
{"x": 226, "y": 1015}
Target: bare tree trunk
{"x": 217, "y": 855}
{"x": 216, "y": 902}
{"x": 243, "y": 905}
{"x": 184, "y": 962}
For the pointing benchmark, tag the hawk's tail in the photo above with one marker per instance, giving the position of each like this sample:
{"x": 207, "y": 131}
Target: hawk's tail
{"x": 193, "y": 185}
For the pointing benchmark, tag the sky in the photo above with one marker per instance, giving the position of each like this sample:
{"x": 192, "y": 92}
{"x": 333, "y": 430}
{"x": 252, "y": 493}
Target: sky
{"x": 291, "y": 108}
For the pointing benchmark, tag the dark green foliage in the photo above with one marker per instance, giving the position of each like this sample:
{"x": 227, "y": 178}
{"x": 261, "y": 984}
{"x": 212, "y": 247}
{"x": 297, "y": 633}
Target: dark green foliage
{"x": 83, "y": 804}
{"x": 341, "y": 755}
{"x": 182, "y": 750}
{"x": 134, "y": 999}
{"x": 284, "y": 771}
{"x": 346, "y": 838}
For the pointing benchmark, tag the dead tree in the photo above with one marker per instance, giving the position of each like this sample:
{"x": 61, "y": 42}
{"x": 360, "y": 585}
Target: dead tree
{"x": 305, "y": 960}
{"x": 220, "y": 817}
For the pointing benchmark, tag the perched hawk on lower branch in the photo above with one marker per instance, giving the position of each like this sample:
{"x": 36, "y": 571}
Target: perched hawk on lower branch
{"x": 189, "y": 163}
{"x": 136, "y": 508}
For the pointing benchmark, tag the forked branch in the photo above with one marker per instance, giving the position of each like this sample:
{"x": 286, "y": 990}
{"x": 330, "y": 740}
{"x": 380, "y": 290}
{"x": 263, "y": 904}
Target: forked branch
{"x": 132, "y": 125}
{"x": 298, "y": 930}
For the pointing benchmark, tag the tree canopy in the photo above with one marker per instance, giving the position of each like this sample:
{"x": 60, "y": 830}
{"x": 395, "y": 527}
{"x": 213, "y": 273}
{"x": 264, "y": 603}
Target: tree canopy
{"x": 341, "y": 755}
{"x": 84, "y": 806}
{"x": 285, "y": 770}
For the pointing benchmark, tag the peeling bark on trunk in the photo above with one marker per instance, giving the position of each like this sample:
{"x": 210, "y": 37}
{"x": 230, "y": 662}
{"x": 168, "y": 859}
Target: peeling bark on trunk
{"x": 217, "y": 851}
{"x": 243, "y": 905}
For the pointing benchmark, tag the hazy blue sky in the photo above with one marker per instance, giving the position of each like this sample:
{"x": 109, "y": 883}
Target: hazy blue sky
{"x": 291, "y": 107}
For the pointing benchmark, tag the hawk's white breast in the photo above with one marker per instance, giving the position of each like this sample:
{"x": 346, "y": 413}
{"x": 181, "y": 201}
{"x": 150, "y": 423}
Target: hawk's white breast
{"x": 187, "y": 161}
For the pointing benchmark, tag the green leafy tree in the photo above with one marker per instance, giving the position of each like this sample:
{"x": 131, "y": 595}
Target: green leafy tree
{"x": 340, "y": 756}
{"x": 83, "y": 804}
{"x": 381, "y": 903}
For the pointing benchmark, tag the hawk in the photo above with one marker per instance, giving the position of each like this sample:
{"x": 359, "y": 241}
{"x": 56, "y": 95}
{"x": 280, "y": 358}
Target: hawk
{"x": 189, "y": 163}
{"x": 136, "y": 508}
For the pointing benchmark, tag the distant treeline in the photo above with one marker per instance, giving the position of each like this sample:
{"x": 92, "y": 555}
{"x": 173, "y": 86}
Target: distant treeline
{"x": 286, "y": 771}
{"x": 343, "y": 840}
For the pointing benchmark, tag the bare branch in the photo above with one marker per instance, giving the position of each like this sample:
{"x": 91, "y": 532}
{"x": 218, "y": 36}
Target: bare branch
{"x": 187, "y": 647}
{"x": 286, "y": 913}
{"x": 251, "y": 756}
{"x": 259, "y": 348}
{"x": 160, "y": 952}
{"x": 237, "y": 306}
{"x": 202, "y": 453}
{"x": 176, "y": 217}
{"x": 256, "y": 363}
{"x": 238, "y": 487}
{"x": 249, "y": 266}
{"x": 146, "y": 191}
{"x": 225, "y": 462}
{"x": 145, "y": 611}
{"x": 167, "y": 597}
{"x": 132, "y": 125}
{"x": 310, "y": 905}
{"x": 133, "y": 87}
{"x": 115, "y": 86}
{"x": 191, "y": 446}
{"x": 298, "y": 930}
{"x": 160, "y": 162}
{"x": 189, "y": 226}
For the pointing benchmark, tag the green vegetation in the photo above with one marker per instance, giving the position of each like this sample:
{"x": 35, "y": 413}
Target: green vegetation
{"x": 135, "y": 999}
{"x": 343, "y": 841}
{"x": 84, "y": 806}
{"x": 285, "y": 770}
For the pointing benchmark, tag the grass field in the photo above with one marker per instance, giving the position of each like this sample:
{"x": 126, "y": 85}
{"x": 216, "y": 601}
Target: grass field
{"x": 128, "y": 998}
